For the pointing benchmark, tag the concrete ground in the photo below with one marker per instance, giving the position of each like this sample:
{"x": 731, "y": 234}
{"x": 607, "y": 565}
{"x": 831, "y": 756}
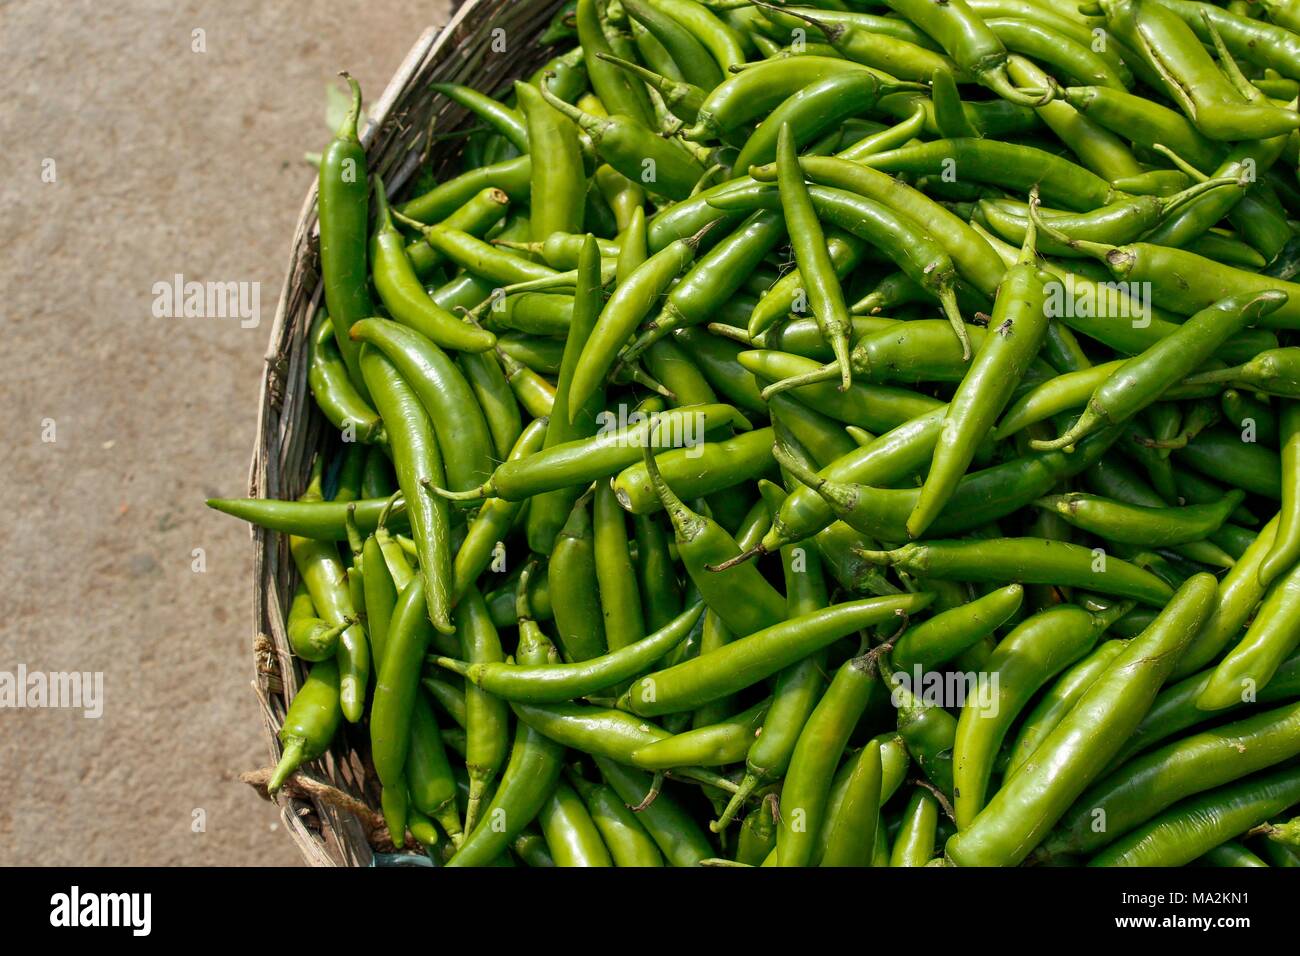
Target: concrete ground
{"x": 131, "y": 156}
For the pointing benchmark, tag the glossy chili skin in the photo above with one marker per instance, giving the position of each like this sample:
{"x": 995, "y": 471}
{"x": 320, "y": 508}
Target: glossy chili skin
{"x": 332, "y": 387}
{"x": 344, "y": 213}
{"x": 1175, "y": 708}
{"x": 1195, "y": 826}
{"x": 914, "y": 844}
{"x": 620, "y": 596}
{"x": 493, "y": 521}
{"x": 626, "y": 839}
{"x": 714, "y": 278}
{"x": 1190, "y": 75}
{"x": 1062, "y": 182}
{"x": 853, "y": 823}
{"x": 548, "y": 513}
{"x": 531, "y": 773}
{"x": 1142, "y": 379}
{"x": 740, "y": 595}
{"x": 945, "y": 635}
{"x": 327, "y": 582}
{"x": 1059, "y": 700}
{"x": 756, "y": 90}
{"x": 397, "y": 684}
{"x": 1035, "y": 796}
{"x": 616, "y": 91}
{"x": 797, "y": 688}
{"x": 1270, "y": 638}
{"x": 487, "y": 727}
{"x": 750, "y": 659}
{"x": 820, "y": 746}
{"x": 312, "y": 638}
{"x": 1016, "y": 332}
{"x": 664, "y": 168}
{"x": 980, "y": 496}
{"x": 893, "y": 455}
{"x": 928, "y": 730}
{"x": 403, "y": 293}
{"x": 557, "y": 682}
{"x": 820, "y": 278}
{"x": 570, "y": 832}
{"x": 972, "y": 255}
{"x": 579, "y": 624}
{"x": 1028, "y": 560}
{"x": 678, "y": 836}
{"x": 1133, "y": 524}
{"x": 631, "y": 301}
{"x": 1034, "y": 652}
{"x": 697, "y": 471}
{"x": 461, "y": 430}
{"x": 898, "y": 236}
{"x": 1286, "y": 546}
{"x": 310, "y": 723}
{"x": 419, "y": 465}
{"x": 1148, "y": 785}
{"x": 711, "y": 745}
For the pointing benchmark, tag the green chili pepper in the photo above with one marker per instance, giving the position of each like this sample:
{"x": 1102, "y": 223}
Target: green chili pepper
{"x": 696, "y": 471}
{"x": 750, "y": 659}
{"x": 1190, "y": 75}
{"x": 1017, "y": 329}
{"x": 821, "y": 744}
{"x": 821, "y": 283}
{"x": 417, "y": 461}
{"x": 335, "y": 394}
{"x": 740, "y": 596}
{"x": 1026, "y": 659}
{"x": 327, "y": 582}
{"x": 531, "y": 772}
{"x": 486, "y": 715}
{"x": 1141, "y": 380}
{"x": 1148, "y": 785}
{"x": 1053, "y": 706}
{"x": 1189, "y": 829}
{"x": 1133, "y": 524}
{"x": 344, "y": 211}
{"x": 1270, "y": 638}
{"x": 312, "y": 638}
{"x": 927, "y": 729}
{"x": 713, "y": 745}
{"x": 1028, "y": 560}
{"x": 678, "y": 836}
{"x": 631, "y": 301}
{"x": 1034, "y": 797}
{"x": 493, "y": 521}
{"x": 549, "y": 512}
{"x": 627, "y": 840}
{"x": 556, "y": 683}
{"x": 915, "y": 841}
{"x": 462, "y": 433}
{"x": 944, "y": 636}
{"x": 310, "y": 723}
{"x": 899, "y": 236}
{"x": 853, "y": 824}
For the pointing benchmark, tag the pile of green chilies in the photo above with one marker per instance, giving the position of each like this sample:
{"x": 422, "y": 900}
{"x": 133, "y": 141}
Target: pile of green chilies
{"x": 851, "y": 434}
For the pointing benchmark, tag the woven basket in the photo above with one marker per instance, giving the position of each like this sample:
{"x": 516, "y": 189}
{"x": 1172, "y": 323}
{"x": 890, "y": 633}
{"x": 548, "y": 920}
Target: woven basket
{"x": 332, "y": 814}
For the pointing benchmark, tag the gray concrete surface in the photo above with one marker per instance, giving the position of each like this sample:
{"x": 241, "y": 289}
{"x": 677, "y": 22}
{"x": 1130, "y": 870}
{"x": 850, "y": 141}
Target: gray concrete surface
{"x": 165, "y": 161}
